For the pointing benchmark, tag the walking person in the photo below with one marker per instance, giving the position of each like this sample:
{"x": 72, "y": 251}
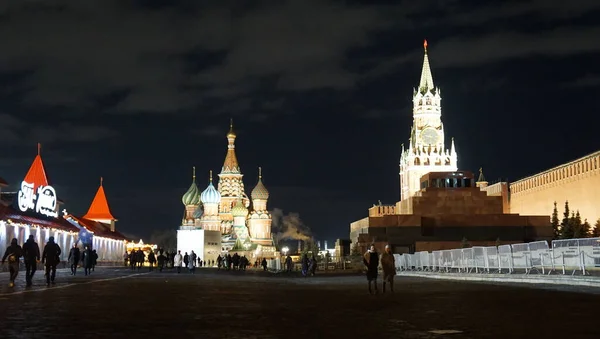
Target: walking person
{"x": 13, "y": 253}
{"x": 193, "y": 258}
{"x": 51, "y": 258}
{"x": 31, "y": 255}
{"x": 371, "y": 261}
{"x": 388, "y": 264}
{"x": 87, "y": 260}
{"x": 94, "y": 260}
{"x": 151, "y": 260}
{"x": 74, "y": 257}
{"x": 177, "y": 261}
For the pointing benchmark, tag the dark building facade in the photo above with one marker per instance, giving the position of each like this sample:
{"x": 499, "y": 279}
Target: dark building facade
{"x": 449, "y": 209}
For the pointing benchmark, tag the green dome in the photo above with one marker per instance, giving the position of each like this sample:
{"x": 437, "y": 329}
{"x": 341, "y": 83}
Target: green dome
{"x": 239, "y": 210}
{"x": 260, "y": 191}
{"x": 192, "y": 196}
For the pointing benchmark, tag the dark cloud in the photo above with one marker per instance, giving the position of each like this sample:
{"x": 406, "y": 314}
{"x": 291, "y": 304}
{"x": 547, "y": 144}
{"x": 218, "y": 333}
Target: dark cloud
{"x": 147, "y": 53}
{"x": 16, "y": 131}
{"x": 588, "y": 80}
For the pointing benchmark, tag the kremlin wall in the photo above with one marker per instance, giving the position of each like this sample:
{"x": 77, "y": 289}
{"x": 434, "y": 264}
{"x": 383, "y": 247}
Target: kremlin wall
{"x": 35, "y": 209}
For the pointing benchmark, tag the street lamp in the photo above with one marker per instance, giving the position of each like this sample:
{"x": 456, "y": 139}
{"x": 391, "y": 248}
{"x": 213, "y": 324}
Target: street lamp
{"x": 285, "y": 250}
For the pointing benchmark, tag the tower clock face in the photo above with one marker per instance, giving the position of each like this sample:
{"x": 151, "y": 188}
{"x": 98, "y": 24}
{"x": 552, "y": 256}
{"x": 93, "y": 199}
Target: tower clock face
{"x": 429, "y": 136}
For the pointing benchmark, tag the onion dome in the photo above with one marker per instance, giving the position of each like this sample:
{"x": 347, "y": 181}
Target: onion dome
{"x": 239, "y": 210}
{"x": 198, "y": 212}
{"x": 231, "y": 134}
{"x": 260, "y": 191}
{"x": 192, "y": 196}
{"x": 210, "y": 194}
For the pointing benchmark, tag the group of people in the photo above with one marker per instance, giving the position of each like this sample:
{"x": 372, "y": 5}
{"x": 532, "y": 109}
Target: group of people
{"x": 235, "y": 262}
{"x": 309, "y": 266}
{"x": 388, "y": 264}
{"x": 88, "y": 259}
{"x": 30, "y": 251}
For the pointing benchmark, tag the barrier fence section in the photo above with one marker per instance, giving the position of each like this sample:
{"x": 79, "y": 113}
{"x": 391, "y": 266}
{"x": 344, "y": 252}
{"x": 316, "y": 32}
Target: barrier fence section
{"x": 565, "y": 255}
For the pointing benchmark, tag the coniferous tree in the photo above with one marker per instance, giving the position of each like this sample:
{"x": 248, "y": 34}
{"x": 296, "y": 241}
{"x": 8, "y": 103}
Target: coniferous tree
{"x": 464, "y": 243}
{"x": 586, "y": 229}
{"x": 596, "y": 230}
{"x": 577, "y": 225}
{"x": 566, "y": 224}
{"x": 555, "y": 222}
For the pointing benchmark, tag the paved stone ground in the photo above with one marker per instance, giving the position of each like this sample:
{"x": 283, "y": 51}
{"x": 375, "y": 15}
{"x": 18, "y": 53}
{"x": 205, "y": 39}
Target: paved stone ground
{"x": 113, "y": 303}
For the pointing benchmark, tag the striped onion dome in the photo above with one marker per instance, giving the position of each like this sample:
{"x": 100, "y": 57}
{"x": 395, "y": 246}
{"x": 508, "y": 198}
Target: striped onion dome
{"x": 210, "y": 194}
{"x": 192, "y": 196}
{"x": 260, "y": 192}
{"x": 239, "y": 210}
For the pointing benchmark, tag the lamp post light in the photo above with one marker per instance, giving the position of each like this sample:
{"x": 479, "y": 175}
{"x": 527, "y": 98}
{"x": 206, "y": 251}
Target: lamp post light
{"x": 285, "y": 250}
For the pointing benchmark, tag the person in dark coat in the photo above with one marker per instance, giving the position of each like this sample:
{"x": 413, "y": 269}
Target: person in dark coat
{"x": 88, "y": 260}
{"x": 371, "y": 261}
{"x": 151, "y": 260}
{"x": 31, "y": 254}
{"x": 51, "y": 258}
{"x": 94, "y": 259}
{"x": 13, "y": 253}
{"x": 74, "y": 257}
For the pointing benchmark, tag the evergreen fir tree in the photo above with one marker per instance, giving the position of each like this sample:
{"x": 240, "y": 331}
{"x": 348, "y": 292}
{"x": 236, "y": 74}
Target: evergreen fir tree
{"x": 577, "y": 225}
{"x": 586, "y": 229}
{"x": 464, "y": 243}
{"x": 565, "y": 226}
{"x": 555, "y": 223}
{"x": 596, "y": 230}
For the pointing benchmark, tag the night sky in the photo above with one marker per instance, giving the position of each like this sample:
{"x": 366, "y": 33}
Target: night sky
{"x": 320, "y": 93}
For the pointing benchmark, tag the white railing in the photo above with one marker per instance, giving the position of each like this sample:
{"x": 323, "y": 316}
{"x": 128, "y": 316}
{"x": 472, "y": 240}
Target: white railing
{"x": 571, "y": 255}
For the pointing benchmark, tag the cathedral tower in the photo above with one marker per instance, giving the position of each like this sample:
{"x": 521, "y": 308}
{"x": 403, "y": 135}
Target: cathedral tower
{"x": 230, "y": 181}
{"x": 259, "y": 221}
{"x": 426, "y": 147}
{"x": 210, "y": 198}
{"x": 191, "y": 201}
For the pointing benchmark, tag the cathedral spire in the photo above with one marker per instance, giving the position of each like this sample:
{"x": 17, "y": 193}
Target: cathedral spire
{"x": 231, "y": 163}
{"x": 426, "y": 83}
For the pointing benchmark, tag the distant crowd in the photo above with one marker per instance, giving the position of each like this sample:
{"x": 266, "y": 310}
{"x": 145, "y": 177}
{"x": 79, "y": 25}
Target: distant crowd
{"x": 136, "y": 259}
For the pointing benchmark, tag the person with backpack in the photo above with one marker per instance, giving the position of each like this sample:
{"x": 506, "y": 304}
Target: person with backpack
{"x": 13, "y": 253}
{"x": 51, "y": 258}
{"x": 31, "y": 255}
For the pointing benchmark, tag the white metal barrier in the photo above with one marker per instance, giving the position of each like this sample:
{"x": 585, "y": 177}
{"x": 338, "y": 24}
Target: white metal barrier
{"x": 567, "y": 255}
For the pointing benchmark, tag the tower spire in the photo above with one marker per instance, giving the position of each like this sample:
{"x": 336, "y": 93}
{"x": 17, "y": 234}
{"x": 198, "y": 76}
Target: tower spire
{"x": 101, "y": 181}
{"x": 210, "y": 176}
{"x": 193, "y": 173}
{"x": 259, "y": 173}
{"x": 231, "y": 163}
{"x": 426, "y": 82}
{"x": 39, "y": 145}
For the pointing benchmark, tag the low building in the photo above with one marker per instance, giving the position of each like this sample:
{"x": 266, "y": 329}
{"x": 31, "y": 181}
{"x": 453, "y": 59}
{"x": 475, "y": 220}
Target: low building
{"x": 34, "y": 210}
{"x": 450, "y": 208}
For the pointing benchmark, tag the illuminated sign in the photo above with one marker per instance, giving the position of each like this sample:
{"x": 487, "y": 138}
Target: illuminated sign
{"x": 43, "y": 201}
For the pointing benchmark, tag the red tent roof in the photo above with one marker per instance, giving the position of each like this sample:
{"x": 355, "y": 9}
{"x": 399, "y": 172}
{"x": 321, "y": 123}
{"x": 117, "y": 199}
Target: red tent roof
{"x": 37, "y": 173}
{"x": 99, "y": 209}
